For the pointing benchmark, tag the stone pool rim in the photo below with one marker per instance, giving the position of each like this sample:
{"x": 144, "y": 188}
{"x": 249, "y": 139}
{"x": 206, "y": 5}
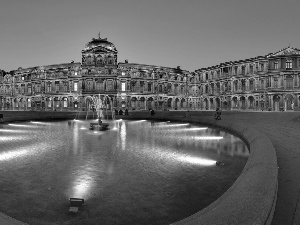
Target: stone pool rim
{"x": 252, "y": 197}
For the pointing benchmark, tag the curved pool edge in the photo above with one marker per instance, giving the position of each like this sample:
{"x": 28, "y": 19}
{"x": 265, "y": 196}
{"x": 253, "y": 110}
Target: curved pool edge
{"x": 252, "y": 197}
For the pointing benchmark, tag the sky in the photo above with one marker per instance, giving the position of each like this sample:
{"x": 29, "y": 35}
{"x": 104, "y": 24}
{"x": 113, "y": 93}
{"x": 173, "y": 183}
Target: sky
{"x": 192, "y": 34}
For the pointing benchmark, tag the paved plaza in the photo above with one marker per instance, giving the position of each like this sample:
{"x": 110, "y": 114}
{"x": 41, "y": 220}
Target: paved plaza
{"x": 283, "y": 129}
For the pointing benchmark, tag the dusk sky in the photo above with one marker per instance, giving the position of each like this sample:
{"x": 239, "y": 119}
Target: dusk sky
{"x": 191, "y": 33}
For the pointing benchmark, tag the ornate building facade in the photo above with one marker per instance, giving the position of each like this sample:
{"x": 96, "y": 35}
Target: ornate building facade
{"x": 71, "y": 86}
{"x": 269, "y": 82}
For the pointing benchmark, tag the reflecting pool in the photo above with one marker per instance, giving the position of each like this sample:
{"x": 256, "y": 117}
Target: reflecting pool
{"x": 138, "y": 172}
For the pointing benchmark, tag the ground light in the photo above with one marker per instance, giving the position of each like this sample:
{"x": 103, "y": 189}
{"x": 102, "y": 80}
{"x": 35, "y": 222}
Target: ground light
{"x": 175, "y": 125}
{"x": 75, "y": 203}
{"x": 13, "y": 131}
{"x": 20, "y": 125}
{"x": 197, "y": 160}
{"x": 12, "y": 154}
{"x": 208, "y": 138}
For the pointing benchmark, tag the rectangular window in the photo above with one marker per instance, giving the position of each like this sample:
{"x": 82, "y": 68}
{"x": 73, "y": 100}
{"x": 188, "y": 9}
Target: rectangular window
{"x": 29, "y": 90}
{"x": 109, "y": 85}
{"x": 149, "y": 86}
{"x": 123, "y": 86}
{"x": 251, "y": 85}
{"x": 123, "y": 73}
{"x": 49, "y": 103}
{"x": 56, "y": 87}
{"x": 243, "y": 69}
{"x": 261, "y": 66}
{"x": 262, "y": 84}
{"x": 275, "y": 83}
{"x": 49, "y": 87}
{"x": 75, "y": 86}
{"x": 235, "y": 70}
{"x": 288, "y": 64}
{"x": 65, "y": 103}
{"x": 251, "y": 68}
{"x": 275, "y": 65}
{"x": 29, "y": 103}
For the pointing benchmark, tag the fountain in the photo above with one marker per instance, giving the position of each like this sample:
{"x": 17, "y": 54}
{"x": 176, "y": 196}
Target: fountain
{"x": 98, "y": 107}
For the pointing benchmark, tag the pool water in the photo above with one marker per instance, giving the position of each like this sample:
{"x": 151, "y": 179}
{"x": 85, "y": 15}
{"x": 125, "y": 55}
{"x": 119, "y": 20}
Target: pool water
{"x": 138, "y": 172}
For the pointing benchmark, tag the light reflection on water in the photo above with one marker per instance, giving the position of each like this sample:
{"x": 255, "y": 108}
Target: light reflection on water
{"x": 137, "y": 158}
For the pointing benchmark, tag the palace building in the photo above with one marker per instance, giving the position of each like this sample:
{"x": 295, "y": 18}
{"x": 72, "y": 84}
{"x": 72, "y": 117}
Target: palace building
{"x": 269, "y": 82}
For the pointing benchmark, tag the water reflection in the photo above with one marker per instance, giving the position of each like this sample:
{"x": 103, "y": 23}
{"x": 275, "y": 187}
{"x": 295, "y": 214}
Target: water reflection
{"x": 12, "y": 154}
{"x": 136, "y": 159}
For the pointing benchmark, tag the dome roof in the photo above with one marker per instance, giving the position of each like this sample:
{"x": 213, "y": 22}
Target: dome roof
{"x": 100, "y": 42}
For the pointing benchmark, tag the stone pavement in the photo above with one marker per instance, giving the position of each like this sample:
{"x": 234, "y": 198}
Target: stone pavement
{"x": 283, "y": 129}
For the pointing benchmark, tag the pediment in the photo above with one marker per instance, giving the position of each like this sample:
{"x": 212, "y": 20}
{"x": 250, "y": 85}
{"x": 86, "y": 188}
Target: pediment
{"x": 286, "y": 51}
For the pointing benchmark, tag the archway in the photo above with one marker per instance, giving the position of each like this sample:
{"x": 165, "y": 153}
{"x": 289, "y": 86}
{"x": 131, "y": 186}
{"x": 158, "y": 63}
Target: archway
{"x": 206, "y": 105}
{"x": 133, "y": 103}
{"x": 276, "y": 100}
{"x": 218, "y": 104}
{"x": 182, "y": 103}
{"x": 243, "y": 101}
{"x": 289, "y": 102}
{"x": 177, "y": 103}
{"x": 149, "y": 103}
{"x": 251, "y": 102}
{"x": 142, "y": 103}
{"x": 211, "y": 101}
{"x": 169, "y": 103}
{"x": 235, "y": 102}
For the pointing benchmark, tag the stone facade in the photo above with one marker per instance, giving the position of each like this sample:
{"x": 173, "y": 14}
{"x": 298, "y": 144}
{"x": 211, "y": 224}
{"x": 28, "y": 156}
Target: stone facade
{"x": 269, "y": 82}
{"x": 71, "y": 86}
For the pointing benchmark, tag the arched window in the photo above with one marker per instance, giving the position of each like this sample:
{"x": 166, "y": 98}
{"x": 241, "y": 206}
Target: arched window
{"x": 109, "y": 60}
{"x": 99, "y": 60}
{"x": 89, "y": 60}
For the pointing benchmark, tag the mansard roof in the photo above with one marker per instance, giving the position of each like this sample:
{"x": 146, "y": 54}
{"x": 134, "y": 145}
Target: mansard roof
{"x": 283, "y": 52}
{"x": 145, "y": 66}
{"x": 48, "y": 67}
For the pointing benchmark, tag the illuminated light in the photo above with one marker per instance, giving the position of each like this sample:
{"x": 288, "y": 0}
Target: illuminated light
{"x": 13, "y": 131}
{"x": 6, "y": 139}
{"x": 197, "y": 128}
{"x": 189, "y": 129}
{"x": 114, "y": 128}
{"x": 95, "y": 132}
{"x": 36, "y": 122}
{"x": 12, "y": 154}
{"x": 20, "y": 125}
{"x": 175, "y": 125}
{"x": 209, "y": 138}
{"x": 197, "y": 160}
{"x": 83, "y": 128}
{"x": 138, "y": 121}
